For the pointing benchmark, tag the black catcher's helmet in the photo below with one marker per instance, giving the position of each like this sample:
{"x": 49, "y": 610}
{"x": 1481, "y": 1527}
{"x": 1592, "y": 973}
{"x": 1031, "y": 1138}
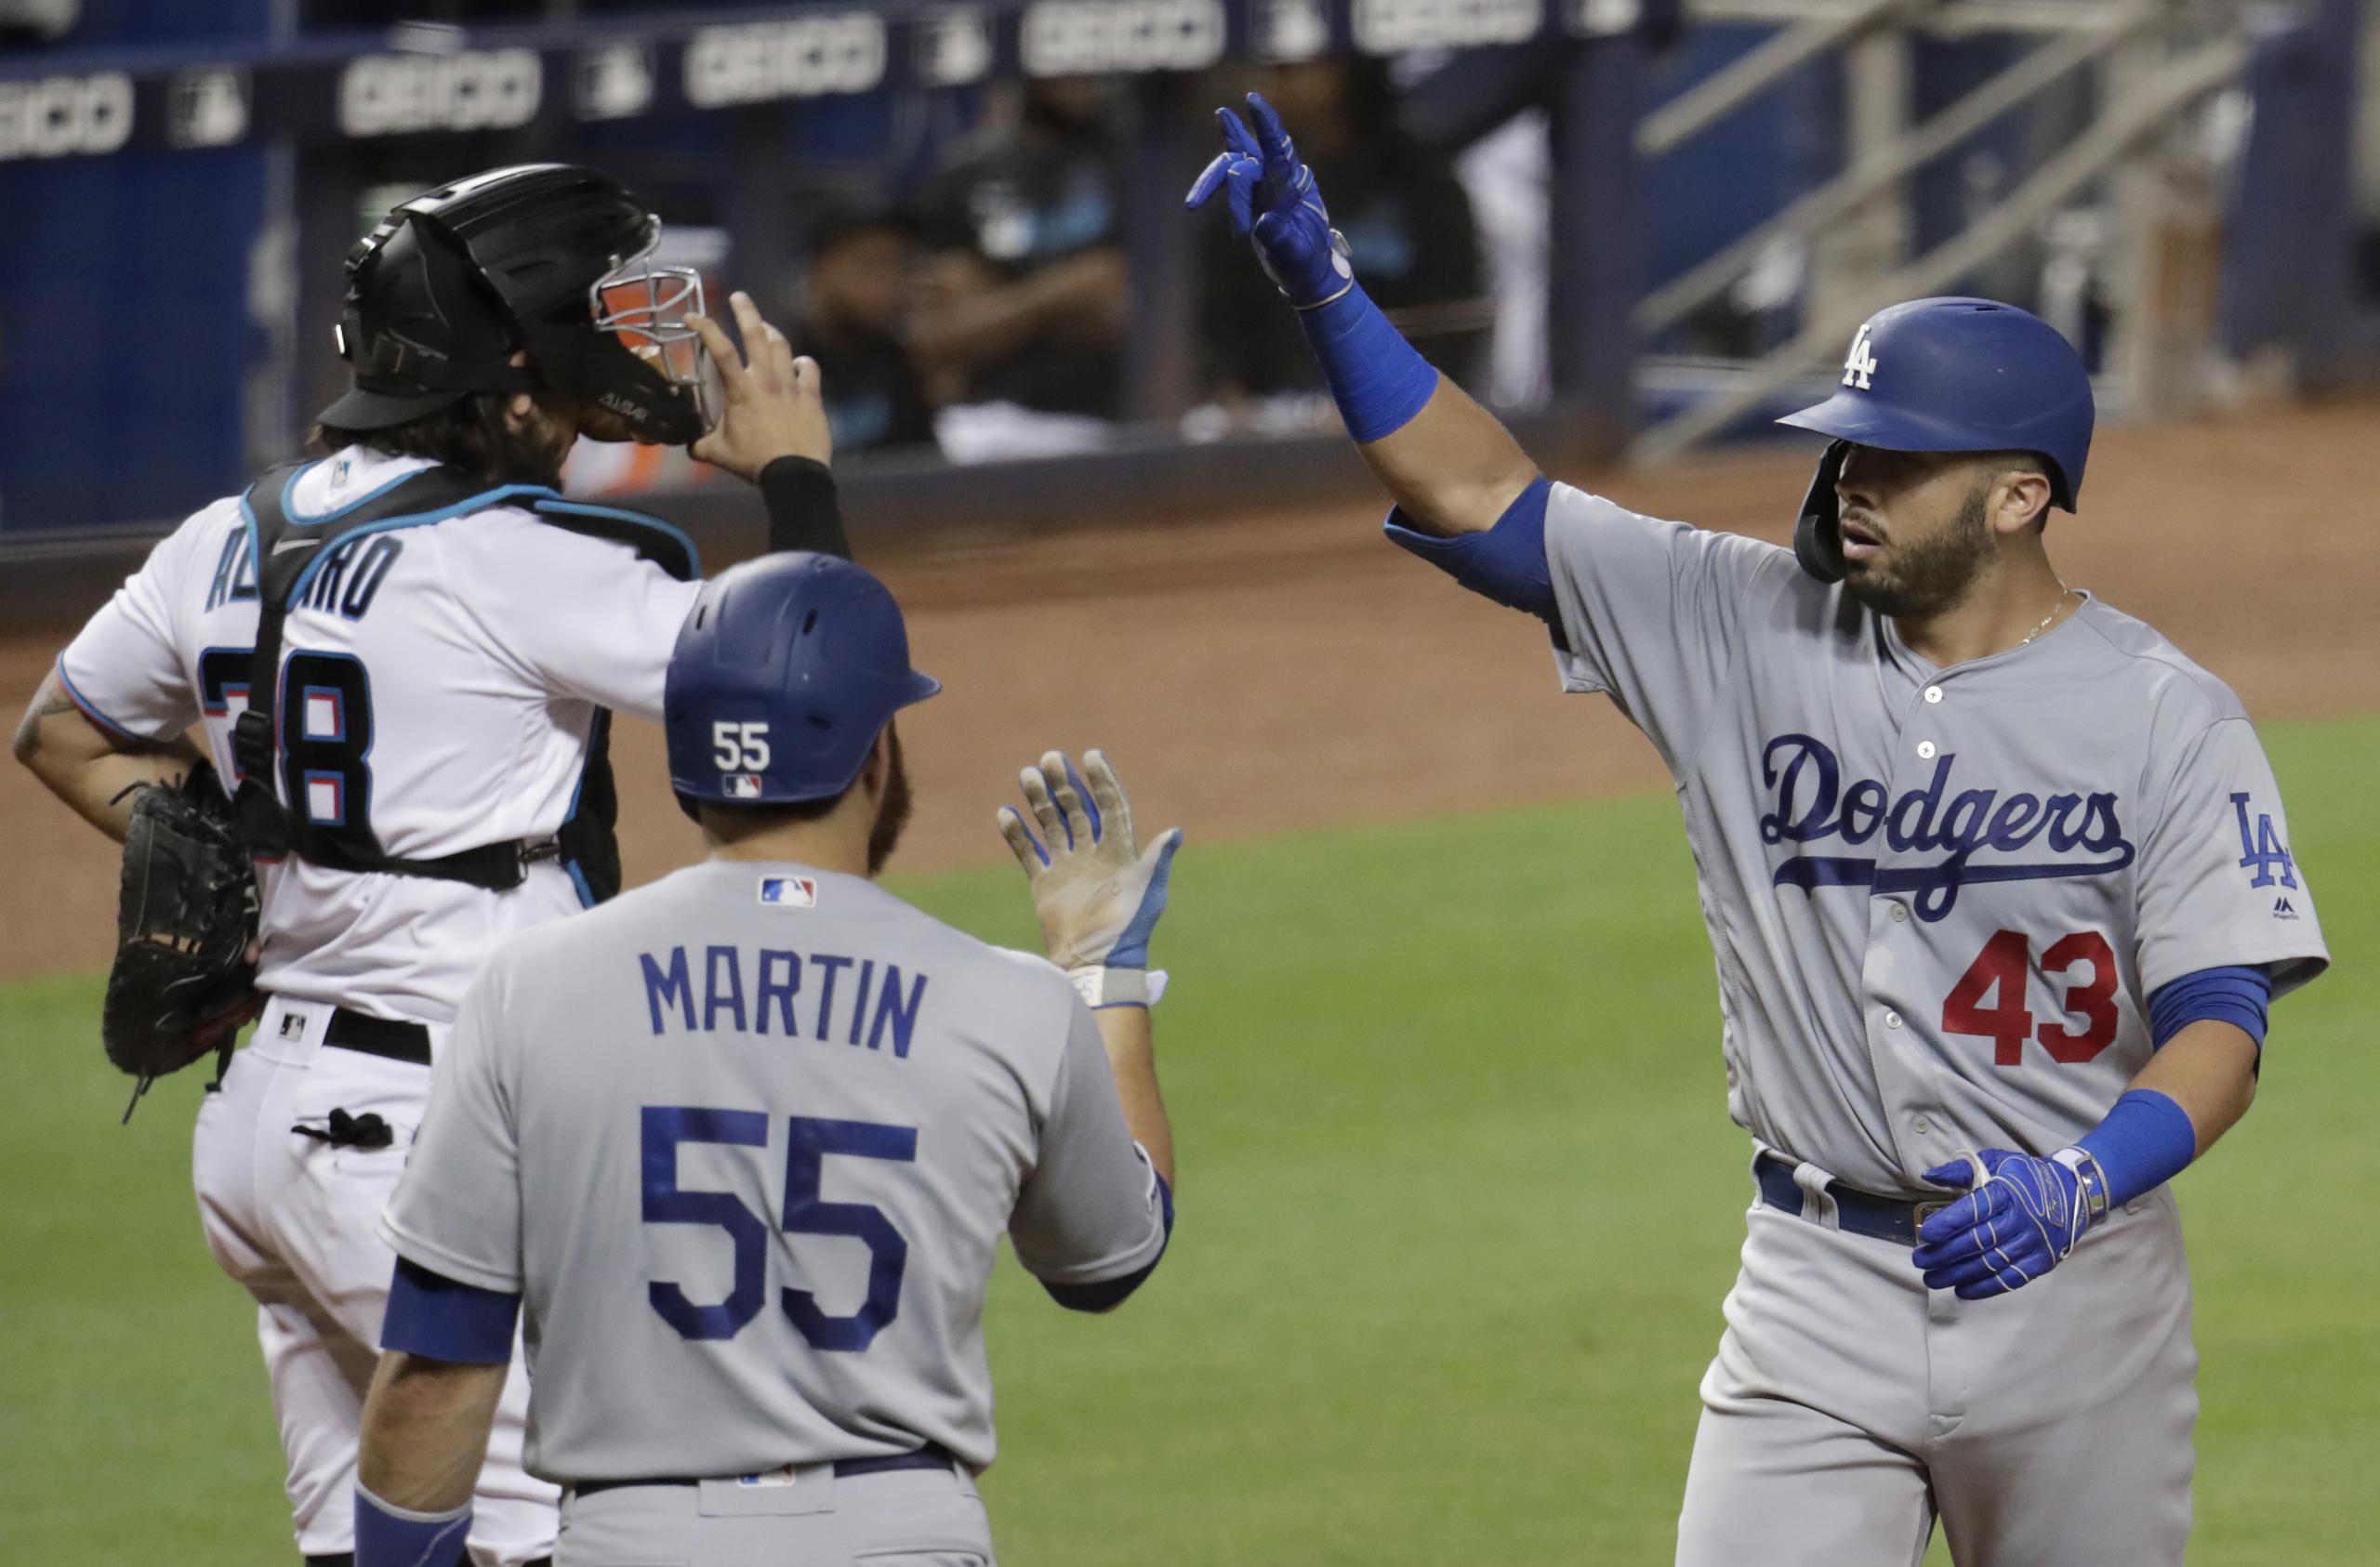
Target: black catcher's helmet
{"x": 550, "y": 258}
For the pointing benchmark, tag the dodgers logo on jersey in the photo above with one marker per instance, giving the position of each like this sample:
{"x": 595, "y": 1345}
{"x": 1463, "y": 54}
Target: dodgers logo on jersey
{"x": 2082, "y": 834}
{"x": 789, "y": 892}
{"x": 2262, "y": 852}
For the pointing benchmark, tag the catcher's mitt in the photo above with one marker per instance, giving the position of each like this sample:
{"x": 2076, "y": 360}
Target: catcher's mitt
{"x": 184, "y": 975}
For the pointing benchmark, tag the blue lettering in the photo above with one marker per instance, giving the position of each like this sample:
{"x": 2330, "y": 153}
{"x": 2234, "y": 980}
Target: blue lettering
{"x": 891, "y": 1008}
{"x": 1806, "y": 783}
{"x": 781, "y": 991}
{"x": 2063, "y": 839}
{"x": 323, "y": 592}
{"x": 859, "y": 1008}
{"x": 2261, "y": 849}
{"x": 660, "y": 989}
{"x": 370, "y": 573}
{"x": 1814, "y": 822}
{"x": 1899, "y": 833}
{"x": 1863, "y": 808}
{"x": 2013, "y": 826}
{"x": 716, "y": 998}
{"x": 828, "y": 968}
{"x": 226, "y": 567}
{"x": 1964, "y": 825}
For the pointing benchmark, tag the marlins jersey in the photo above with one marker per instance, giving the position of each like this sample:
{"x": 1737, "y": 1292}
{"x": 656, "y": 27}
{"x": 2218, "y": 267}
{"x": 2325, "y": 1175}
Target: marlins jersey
{"x": 438, "y": 681}
{"x": 1939, "y": 898}
{"x": 744, "y": 1140}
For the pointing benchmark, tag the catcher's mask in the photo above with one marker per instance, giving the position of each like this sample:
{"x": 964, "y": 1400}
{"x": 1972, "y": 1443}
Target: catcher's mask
{"x": 1948, "y": 374}
{"x": 551, "y": 260}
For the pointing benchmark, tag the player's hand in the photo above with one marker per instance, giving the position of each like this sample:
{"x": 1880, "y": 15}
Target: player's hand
{"x": 1097, "y": 891}
{"x": 773, "y": 404}
{"x": 1273, "y": 202}
{"x": 2021, "y": 1222}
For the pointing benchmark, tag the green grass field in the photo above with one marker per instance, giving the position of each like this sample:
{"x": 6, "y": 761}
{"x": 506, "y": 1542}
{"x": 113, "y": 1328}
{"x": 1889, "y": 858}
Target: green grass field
{"x": 1459, "y": 1200}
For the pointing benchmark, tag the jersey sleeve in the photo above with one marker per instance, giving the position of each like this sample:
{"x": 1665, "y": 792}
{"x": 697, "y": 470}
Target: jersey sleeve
{"x": 124, "y": 669}
{"x": 2218, "y": 883}
{"x": 1090, "y": 1210}
{"x": 578, "y": 617}
{"x": 456, "y": 1210}
{"x": 1651, "y": 612}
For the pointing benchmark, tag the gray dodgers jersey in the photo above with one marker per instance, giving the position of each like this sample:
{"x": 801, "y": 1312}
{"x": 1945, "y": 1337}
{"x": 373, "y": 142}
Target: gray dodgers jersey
{"x": 1939, "y": 899}
{"x": 744, "y": 1140}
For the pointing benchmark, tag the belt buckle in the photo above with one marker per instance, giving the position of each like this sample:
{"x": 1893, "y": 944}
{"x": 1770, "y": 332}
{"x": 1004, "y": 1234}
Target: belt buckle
{"x": 1921, "y": 1212}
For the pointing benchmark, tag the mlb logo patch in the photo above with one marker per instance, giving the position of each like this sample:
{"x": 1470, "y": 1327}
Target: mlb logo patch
{"x": 789, "y": 892}
{"x": 741, "y": 786}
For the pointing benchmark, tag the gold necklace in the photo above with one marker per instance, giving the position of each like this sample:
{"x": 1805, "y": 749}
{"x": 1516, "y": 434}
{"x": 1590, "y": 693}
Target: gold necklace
{"x": 2062, "y": 593}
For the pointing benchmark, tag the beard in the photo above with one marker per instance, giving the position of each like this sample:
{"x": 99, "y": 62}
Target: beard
{"x": 1924, "y": 579}
{"x": 893, "y": 811}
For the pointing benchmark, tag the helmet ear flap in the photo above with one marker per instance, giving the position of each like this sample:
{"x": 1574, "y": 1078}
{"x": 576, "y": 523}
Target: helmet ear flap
{"x": 1817, "y": 533}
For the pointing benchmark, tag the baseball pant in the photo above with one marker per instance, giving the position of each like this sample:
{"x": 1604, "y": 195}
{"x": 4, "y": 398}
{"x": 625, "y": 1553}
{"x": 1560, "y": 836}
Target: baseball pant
{"x": 806, "y": 1517}
{"x": 1849, "y": 1406}
{"x": 291, "y": 1218}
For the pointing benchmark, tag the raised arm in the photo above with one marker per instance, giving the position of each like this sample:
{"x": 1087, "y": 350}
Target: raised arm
{"x": 773, "y": 431}
{"x": 1099, "y": 895}
{"x": 1450, "y": 466}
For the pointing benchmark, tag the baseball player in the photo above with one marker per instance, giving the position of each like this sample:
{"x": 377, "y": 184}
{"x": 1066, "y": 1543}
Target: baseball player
{"x": 743, "y": 1143}
{"x": 1999, "y": 888}
{"x": 445, "y": 637}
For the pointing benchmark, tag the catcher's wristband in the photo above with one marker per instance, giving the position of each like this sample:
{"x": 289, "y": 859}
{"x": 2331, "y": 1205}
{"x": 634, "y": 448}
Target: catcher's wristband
{"x": 1101, "y": 986}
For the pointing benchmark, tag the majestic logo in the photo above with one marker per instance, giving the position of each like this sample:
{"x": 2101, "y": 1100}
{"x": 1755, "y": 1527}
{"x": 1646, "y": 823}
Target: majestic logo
{"x": 2283, "y": 909}
{"x": 2262, "y": 852}
{"x": 1858, "y": 364}
{"x": 1813, "y": 802}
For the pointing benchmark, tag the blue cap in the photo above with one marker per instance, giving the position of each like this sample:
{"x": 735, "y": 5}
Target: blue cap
{"x": 1949, "y": 375}
{"x": 784, "y": 675}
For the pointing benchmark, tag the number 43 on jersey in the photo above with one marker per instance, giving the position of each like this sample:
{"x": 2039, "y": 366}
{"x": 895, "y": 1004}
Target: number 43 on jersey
{"x": 1989, "y": 1000}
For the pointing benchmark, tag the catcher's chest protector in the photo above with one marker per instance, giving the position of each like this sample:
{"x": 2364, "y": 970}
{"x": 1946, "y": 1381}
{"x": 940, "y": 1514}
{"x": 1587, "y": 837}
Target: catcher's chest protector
{"x": 585, "y": 841}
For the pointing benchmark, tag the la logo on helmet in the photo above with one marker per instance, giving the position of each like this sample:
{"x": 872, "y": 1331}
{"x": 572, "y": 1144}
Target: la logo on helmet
{"x": 1860, "y": 363}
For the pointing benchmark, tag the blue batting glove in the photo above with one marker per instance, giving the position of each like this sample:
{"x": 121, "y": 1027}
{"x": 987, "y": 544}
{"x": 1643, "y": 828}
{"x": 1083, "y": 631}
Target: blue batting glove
{"x": 2024, "y": 1220}
{"x": 1273, "y": 202}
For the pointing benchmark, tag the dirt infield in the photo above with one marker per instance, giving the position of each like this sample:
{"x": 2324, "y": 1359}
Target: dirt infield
{"x": 1264, "y": 672}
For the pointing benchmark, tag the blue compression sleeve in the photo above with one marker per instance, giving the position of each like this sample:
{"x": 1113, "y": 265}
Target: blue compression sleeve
{"x": 441, "y": 1319}
{"x": 1377, "y": 378}
{"x": 391, "y": 1536}
{"x": 1506, "y": 563}
{"x": 2239, "y": 996}
{"x": 2146, "y": 1142}
{"x": 1107, "y": 1294}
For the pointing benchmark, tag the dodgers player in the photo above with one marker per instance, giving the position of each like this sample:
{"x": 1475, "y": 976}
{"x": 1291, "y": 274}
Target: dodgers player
{"x": 743, "y": 1143}
{"x": 2000, "y": 889}
{"x": 444, "y": 677}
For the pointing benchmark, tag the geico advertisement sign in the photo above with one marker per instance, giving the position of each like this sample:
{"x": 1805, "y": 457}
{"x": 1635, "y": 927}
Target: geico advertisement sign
{"x": 57, "y": 115}
{"x": 755, "y": 62}
{"x": 1385, "y": 27}
{"x": 1083, "y": 37}
{"x": 473, "y": 89}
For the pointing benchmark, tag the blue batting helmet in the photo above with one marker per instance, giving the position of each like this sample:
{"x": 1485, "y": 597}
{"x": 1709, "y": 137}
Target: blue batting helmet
{"x": 1949, "y": 375}
{"x": 782, "y": 678}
